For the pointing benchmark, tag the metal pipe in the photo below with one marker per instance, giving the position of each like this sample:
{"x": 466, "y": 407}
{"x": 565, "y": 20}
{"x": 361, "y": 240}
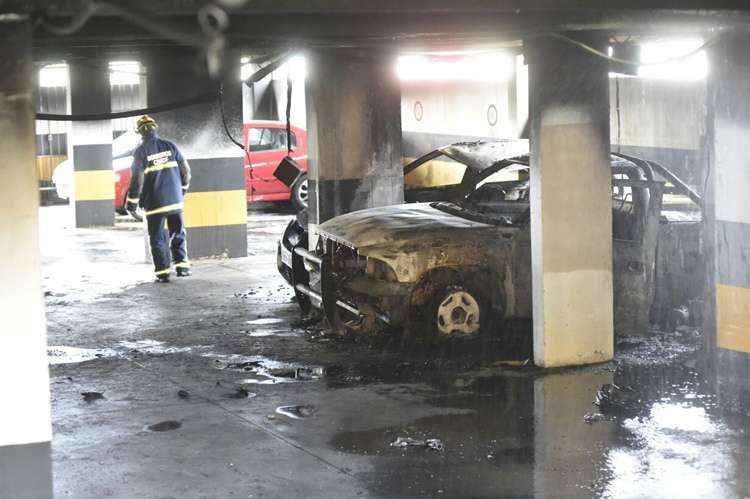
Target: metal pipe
{"x": 348, "y": 308}
{"x": 311, "y": 257}
{"x": 305, "y": 290}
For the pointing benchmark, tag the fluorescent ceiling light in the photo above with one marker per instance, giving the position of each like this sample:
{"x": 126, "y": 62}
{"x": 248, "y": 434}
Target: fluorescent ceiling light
{"x": 295, "y": 66}
{"x": 694, "y": 67}
{"x": 124, "y": 73}
{"x": 53, "y": 75}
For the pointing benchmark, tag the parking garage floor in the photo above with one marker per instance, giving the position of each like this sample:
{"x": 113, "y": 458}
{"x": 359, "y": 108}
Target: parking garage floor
{"x": 212, "y": 386}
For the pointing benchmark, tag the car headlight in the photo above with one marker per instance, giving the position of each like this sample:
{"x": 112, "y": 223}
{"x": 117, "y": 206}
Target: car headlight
{"x": 380, "y": 270}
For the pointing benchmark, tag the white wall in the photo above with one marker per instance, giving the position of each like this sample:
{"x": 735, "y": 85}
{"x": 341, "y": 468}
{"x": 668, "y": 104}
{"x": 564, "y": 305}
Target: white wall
{"x": 458, "y": 108}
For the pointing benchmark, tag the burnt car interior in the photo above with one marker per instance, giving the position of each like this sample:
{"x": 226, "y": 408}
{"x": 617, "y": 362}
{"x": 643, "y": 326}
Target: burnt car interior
{"x": 482, "y": 198}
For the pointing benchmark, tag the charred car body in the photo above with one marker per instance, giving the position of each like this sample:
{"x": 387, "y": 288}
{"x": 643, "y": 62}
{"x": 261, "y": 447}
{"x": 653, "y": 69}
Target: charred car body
{"x": 456, "y": 258}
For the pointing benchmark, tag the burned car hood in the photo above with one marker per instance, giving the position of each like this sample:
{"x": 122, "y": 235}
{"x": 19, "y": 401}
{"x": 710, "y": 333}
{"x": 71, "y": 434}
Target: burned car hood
{"x": 397, "y": 226}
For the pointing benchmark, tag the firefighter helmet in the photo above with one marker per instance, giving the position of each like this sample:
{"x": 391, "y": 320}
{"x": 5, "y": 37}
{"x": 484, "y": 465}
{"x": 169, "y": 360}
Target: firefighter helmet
{"x": 145, "y": 124}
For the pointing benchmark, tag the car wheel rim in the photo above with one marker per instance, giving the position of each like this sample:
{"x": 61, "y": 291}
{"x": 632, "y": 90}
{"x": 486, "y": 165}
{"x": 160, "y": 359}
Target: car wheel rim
{"x": 302, "y": 193}
{"x": 458, "y": 313}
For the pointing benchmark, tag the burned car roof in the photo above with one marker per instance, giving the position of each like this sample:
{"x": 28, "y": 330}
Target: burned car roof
{"x": 481, "y": 155}
{"x": 484, "y": 157}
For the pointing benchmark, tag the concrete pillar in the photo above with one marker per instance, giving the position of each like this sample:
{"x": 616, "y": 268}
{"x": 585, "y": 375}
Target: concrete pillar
{"x": 25, "y": 427}
{"x": 90, "y": 142}
{"x": 215, "y": 206}
{"x": 353, "y": 106}
{"x": 571, "y": 204}
{"x": 728, "y": 216}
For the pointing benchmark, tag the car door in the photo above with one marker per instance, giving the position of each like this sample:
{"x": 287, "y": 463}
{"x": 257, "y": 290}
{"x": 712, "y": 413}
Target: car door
{"x": 266, "y": 149}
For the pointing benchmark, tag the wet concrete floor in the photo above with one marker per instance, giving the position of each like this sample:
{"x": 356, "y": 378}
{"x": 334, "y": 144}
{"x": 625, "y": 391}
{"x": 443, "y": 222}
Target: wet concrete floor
{"x": 212, "y": 387}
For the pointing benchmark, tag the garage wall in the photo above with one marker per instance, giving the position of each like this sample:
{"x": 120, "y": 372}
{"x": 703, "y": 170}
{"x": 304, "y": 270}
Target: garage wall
{"x": 434, "y": 114}
{"x": 655, "y": 118}
{"x": 662, "y": 120}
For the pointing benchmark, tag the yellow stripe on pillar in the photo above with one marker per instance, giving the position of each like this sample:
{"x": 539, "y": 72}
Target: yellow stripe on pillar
{"x": 733, "y": 317}
{"x": 212, "y": 208}
{"x": 94, "y": 185}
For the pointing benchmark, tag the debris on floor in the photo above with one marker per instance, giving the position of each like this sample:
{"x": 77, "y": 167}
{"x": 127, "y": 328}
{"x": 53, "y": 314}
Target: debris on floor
{"x": 429, "y": 443}
{"x": 306, "y": 373}
{"x": 92, "y": 396}
{"x": 165, "y": 426}
{"x": 593, "y": 417}
{"x": 183, "y": 394}
{"x": 244, "y": 366}
{"x": 615, "y": 399}
{"x": 240, "y": 393}
{"x": 296, "y": 411}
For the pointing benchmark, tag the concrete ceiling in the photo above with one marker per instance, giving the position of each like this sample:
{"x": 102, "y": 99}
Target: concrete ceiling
{"x": 406, "y": 24}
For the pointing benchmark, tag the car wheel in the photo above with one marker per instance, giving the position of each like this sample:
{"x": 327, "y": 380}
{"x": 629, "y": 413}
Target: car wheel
{"x": 457, "y": 312}
{"x": 121, "y": 210}
{"x": 300, "y": 193}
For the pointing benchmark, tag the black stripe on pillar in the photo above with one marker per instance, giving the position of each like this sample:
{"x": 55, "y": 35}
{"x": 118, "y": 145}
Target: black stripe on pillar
{"x": 732, "y": 373}
{"x": 26, "y": 470}
{"x": 219, "y": 174}
{"x": 220, "y": 240}
{"x": 95, "y": 213}
{"x": 90, "y": 157}
{"x": 733, "y": 253}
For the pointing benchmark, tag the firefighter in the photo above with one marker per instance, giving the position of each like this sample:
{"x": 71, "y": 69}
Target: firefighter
{"x": 160, "y": 177}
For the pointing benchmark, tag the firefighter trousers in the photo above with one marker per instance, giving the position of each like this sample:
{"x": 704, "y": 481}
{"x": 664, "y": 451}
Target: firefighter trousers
{"x": 170, "y": 245}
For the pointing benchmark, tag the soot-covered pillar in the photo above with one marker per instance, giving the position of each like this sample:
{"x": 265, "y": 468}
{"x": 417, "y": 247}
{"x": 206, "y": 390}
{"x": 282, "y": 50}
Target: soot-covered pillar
{"x": 727, "y": 213}
{"x": 25, "y": 424}
{"x": 91, "y": 141}
{"x": 353, "y": 102}
{"x": 571, "y": 204}
{"x": 215, "y": 205}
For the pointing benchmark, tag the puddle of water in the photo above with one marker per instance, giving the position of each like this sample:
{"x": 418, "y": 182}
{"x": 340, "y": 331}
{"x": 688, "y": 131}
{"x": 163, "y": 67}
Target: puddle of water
{"x": 157, "y": 347}
{"x": 265, "y": 371}
{"x": 57, "y": 355}
{"x": 264, "y": 321}
{"x": 270, "y": 332}
{"x": 296, "y": 411}
{"x": 165, "y": 426}
{"x": 261, "y": 381}
{"x": 61, "y": 354}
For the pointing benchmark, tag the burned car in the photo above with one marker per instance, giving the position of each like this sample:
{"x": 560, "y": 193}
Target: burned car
{"x": 456, "y": 261}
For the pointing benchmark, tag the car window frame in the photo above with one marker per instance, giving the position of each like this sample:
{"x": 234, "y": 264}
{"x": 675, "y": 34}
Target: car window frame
{"x": 272, "y": 130}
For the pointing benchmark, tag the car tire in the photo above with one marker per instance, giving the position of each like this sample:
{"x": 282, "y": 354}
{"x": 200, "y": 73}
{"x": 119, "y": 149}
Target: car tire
{"x": 300, "y": 193}
{"x": 456, "y": 312}
{"x": 121, "y": 210}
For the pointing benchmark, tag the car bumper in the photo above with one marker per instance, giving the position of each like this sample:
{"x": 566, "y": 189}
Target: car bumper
{"x": 360, "y": 297}
{"x": 284, "y": 262}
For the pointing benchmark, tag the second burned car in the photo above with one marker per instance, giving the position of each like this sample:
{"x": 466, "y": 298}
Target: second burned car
{"x": 455, "y": 260}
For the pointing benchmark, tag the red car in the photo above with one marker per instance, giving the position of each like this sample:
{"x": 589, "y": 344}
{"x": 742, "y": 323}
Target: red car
{"x": 265, "y": 142}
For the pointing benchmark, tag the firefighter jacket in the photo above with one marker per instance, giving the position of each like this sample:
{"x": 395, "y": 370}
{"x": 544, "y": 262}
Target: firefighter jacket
{"x": 158, "y": 176}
